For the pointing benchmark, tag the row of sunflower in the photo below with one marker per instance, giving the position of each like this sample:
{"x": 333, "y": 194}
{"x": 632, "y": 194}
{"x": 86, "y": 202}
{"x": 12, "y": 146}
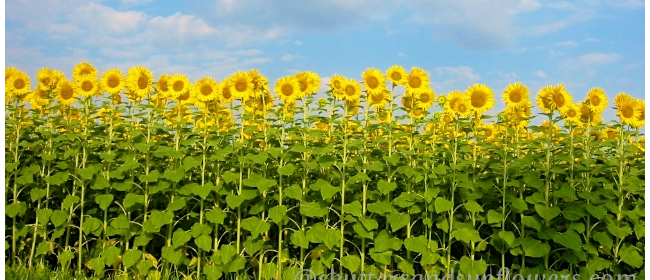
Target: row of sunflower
{"x": 213, "y": 179}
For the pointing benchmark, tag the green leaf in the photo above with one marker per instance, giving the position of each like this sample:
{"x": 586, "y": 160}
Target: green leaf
{"x": 326, "y": 190}
{"x": 416, "y": 244}
{"x": 472, "y": 267}
{"x": 351, "y": 262}
{"x": 286, "y": 170}
{"x": 180, "y": 237}
{"x": 43, "y": 248}
{"x": 178, "y": 204}
{"x": 69, "y": 201}
{"x": 398, "y": 220}
{"x": 230, "y": 176}
{"x": 110, "y": 254}
{"x": 87, "y": 173}
{"x": 131, "y": 200}
{"x": 569, "y": 239}
{"x": 443, "y": 205}
{"x": 203, "y": 191}
{"x": 255, "y": 226}
{"x": 269, "y": 271}
{"x": 332, "y": 238}
{"x": 519, "y": 205}
{"x": 630, "y": 255}
{"x": 101, "y": 183}
{"x": 507, "y": 236}
{"x": 131, "y": 257}
{"x": 215, "y": 216}
{"x": 151, "y": 177}
{"x": 494, "y": 217}
{"x": 121, "y": 222}
{"x": 535, "y": 248}
{"x": 531, "y": 222}
{"x": 406, "y": 266}
{"x": 204, "y": 242}
{"x": 466, "y": 235}
{"x": 58, "y": 178}
{"x": 261, "y": 183}
{"x": 313, "y": 209}
{"x": 58, "y": 217}
{"x": 98, "y": 265}
{"x": 473, "y": 207}
{"x": 597, "y": 212}
{"x": 104, "y": 200}
{"x": 620, "y": 232}
{"x": 213, "y": 272}
{"x": 381, "y": 207}
{"x": 298, "y": 238}
{"x": 175, "y": 175}
{"x": 15, "y": 209}
{"x": 353, "y": 208}
{"x": 65, "y": 257}
{"x": 190, "y": 162}
{"x": 278, "y": 213}
{"x": 43, "y": 215}
{"x": 369, "y": 224}
{"x": 171, "y": 255}
{"x": 547, "y": 213}
{"x": 294, "y": 191}
{"x": 36, "y": 194}
{"x": 92, "y": 225}
{"x": 326, "y": 161}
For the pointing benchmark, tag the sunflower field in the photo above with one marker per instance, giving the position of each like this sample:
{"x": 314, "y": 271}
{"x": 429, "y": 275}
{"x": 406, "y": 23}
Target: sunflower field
{"x": 134, "y": 177}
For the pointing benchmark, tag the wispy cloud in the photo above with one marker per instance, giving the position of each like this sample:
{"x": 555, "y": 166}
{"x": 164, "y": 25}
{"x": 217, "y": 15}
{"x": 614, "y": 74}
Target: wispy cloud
{"x": 598, "y": 58}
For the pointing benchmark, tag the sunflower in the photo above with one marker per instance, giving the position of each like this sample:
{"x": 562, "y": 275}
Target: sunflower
{"x": 481, "y": 97}
{"x": 336, "y": 86}
{"x": 452, "y": 99}
{"x": 407, "y": 100}
{"x": 611, "y": 132}
{"x": 441, "y": 100}
{"x": 417, "y": 79}
{"x": 161, "y": 85}
{"x": 571, "y": 113}
{"x": 287, "y": 88}
{"x": 86, "y": 85}
{"x": 424, "y": 98}
{"x": 139, "y": 82}
{"x": 597, "y": 100}
{"x": 288, "y": 107}
{"x": 224, "y": 94}
{"x": 83, "y": 68}
{"x": 463, "y": 107}
{"x": 188, "y": 97}
{"x": 106, "y": 114}
{"x": 158, "y": 100}
{"x": 417, "y": 112}
{"x": 379, "y": 101}
{"x": 241, "y": 85}
{"x": 260, "y": 83}
{"x": 489, "y": 131}
{"x": 621, "y": 98}
{"x": 206, "y": 89}
{"x": 38, "y": 98}
{"x": 397, "y": 75}
{"x": 18, "y": 84}
{"x": 352, "y": 90}
{"x": 640, "y": 121}
{"x": 10, "y": 71}
{"x": 259, "y": 104}
{"x": 65, "y": 92}
{"x": 178, "y": 85}
{"x": 560, "y": 97}
{"x": 628, "y": 111}
{"x": 597, "y": 135}
{"x": 47, "y": 78}
{"x": 384, "y": 116}
{"x": 309, "y": 83}
{"x": 112, "y": 81}
{"x": 515, "y": 94}
{"x": 373, "y": 81}
{"x": 587, "y": 116}
{"x": 352, "y": 106}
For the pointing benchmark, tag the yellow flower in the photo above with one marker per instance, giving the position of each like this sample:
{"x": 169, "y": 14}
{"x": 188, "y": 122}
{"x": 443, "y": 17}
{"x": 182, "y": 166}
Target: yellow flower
{"x": 288, "y": 108}
{"x": 112, "y": 81}
{"x": 417, "y": 112}
{"x": 640, "y": 121}
{"x": 224, "y": 94}
{"x": 86, "y": 85}
{"x": 628, "y": 111}
{"x": 481, "y": 98}
{"x": 65, "y": 92}
{"x": 10, "y": 71}
{"x": 139, "y": 82}
{"x": 545, "y": 99}
{"x": 322, "y": 126}
{"x": 379, "y": 101}
{"x": 309, "y": 83}
{"x": 241, "y": 85}
{"x": 424, "y": 98}
{"x": 620, "y": 98}
{"x": 187, "y": 98}
{"x": 515, "y": 94}
{"x": 587, "y": 116}
{"x": 38, "y": 98}
{"x": 417, "y": 79}
{"x": 611, "y": 132}
{"x": 287, "y": 88}
{"x": 397, "y": 75}
{"x": 336, "y": 86}
{"x": 106, "y": 114}
{"x": 83, "y": 68}
{"x": 489, "y": 131}
{"x": 463, "y": 107}
{"x": 352, "y": 106}
{"x": 158, "y": 100}
{"x": 47, "y": 78}
{"x": 546, "y": 125}
{"x": 571, "y": 113}
{"x": 373, "y": 81}
{"x": 384, "y": 116}
{"x": 259, "y": 104}
{"x": 260, "y": 83}
{"x": 179, "y": 113}
{"x": 452, "y": 99}
{"x": 407, "y": 100}
{"x": 597, "y": 100}
{"x": 161, "y": 85}
{"x": 352, "y": 90}
{"x": 206, "y": 89}
{"x": 18, "y": 84}
{"x": 178, "y": 85}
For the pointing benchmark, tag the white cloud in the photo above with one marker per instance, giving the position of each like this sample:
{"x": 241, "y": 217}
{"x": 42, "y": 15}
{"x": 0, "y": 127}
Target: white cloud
{"x": 566, "y": 44}
{"x": 102, "y": 19}
{"x": 541, "y": 74}
{"x": 598, "y": 58}
{"x": 453, "y": 78}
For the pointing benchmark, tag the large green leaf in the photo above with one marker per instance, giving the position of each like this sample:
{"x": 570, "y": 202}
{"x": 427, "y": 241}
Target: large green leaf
{"x": 255, "y": 226}
{"x": 535, "y": 248}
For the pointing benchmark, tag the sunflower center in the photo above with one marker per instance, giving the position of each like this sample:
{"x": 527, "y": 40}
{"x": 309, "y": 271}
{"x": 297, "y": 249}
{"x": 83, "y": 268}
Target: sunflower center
{"x": 478, "y": 101}
{"x": 184, "y": 96}
{"x": 241, "y": 86}
{"x": 515, "y": 97}
{"x": 113, "y": 82}
{"x": 337, "y": 84}
{"x": 19, "y": 84}
{"x": 595, "y": 100}
{"x": 462, "y": 108}
{"x": 178, "y": 85}
{"x": 447, "y": 119}
{"x": 206, "y": 90}
{"x": 396, "y": 76}
{"x": 66, "y": 92}
{"x": 376, "y": 98}
{"x": 46, "y": 81}
{"x": 349, "y": 90}
{"x": 559, "y": 99}
{"x": 142, "y": 82}
{"x": 571, "y": 113}
{"x": 628, "y": 112}
{"x": 87, "y": 86}
{"x": 226, "y": 94}
{"x": 85, "y": 71}
{"x": 287, "y": 90}
{"x": 163, "y": 86}
{"x": 425, "y": 98}
{"x": 372, "y": 82}
{"x": 488, "y": 133}
{"x": 303, "y": 85}
{"x": 415, "y": 82}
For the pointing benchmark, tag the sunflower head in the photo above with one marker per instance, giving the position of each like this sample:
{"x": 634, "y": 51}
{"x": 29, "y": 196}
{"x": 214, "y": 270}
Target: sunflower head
{"x": 161, "y": 85}
{"x": 287, "y": 88}
{"x": 480, "y": 97}
{"x": 515, "y": 94}
{"x": 18, "y": 84}
{"x": 139, "y": 82}
{"x": 417, "y": 79}
{"x": 178, "y": 85}
{"x": 83, "y": 68}
{"x": 86, "y": 85}
{"x": 597, "y": 100}
{"x": 260, "y": 83}
{"x": 424, "y": 98}
{"x": 206, "y": 89}
{"x": 380, "y": 100}
{"x": 352, "y": 90}
{"x": 241, "y": 85}
{"x": 397, "y": 75}
{"x": 47, "y": 78}
{"x": 640, "y": 121}
{"x": 587, "y": 116}
{"x": 112, "y": 81}
{"x": 336, "y": 86}
{"x": 224, "y": 94}
{"x": 65, "y": 92}
{"x": 309, "y": 83}
{"x": 628, "y": 111}
{"x": 571, "y": 113}
{"x": 373, "y": 81}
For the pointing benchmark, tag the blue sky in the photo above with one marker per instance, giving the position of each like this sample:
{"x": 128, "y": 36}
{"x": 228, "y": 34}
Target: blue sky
{"x": 582, "y": 43}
